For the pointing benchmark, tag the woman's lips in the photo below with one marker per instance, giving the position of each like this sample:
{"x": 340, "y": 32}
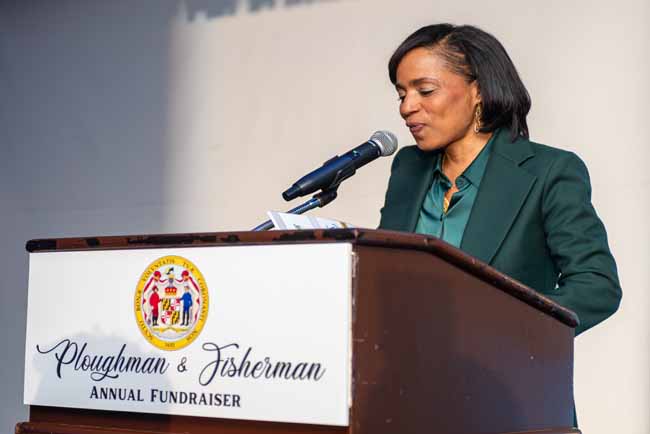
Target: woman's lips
{"x": 415, "y": 128}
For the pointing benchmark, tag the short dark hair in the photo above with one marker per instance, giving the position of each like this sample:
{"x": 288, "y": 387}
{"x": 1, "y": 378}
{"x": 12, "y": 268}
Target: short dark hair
{"x": 476, "y": 55}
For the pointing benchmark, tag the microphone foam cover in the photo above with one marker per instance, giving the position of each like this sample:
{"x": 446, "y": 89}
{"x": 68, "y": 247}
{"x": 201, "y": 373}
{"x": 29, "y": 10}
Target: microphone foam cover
{"x": 386, "y": 141}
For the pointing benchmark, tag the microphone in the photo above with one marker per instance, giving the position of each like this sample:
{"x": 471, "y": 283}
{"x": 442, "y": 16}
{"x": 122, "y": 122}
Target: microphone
{"x": 338, "y": 169}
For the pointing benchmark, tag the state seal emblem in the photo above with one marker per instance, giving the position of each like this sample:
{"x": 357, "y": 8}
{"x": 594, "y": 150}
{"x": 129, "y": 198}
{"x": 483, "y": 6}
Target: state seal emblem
{"x": 171, "y": 303}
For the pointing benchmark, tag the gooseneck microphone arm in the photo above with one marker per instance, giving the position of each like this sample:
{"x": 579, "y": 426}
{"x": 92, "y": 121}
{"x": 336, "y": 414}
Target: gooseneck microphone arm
{"x": 317, "y": 201}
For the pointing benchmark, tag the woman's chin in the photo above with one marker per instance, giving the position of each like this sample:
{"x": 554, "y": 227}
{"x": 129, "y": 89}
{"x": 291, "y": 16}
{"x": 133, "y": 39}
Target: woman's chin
{"x": 428, "y": 146}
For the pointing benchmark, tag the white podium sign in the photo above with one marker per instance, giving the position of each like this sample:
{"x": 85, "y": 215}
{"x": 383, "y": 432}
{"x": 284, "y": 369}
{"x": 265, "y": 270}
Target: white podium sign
{"x": 241, "y": 332}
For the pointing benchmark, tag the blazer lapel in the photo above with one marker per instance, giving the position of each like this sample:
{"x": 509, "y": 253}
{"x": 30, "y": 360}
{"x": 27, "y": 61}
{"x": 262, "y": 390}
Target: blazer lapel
{"x": 418, "y": 174}
{"x": 422, "y": 170}
{"x": 502, "y": 193}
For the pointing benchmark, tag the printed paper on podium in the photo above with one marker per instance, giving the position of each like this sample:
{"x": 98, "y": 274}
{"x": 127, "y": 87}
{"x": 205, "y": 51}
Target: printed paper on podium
{"x": 284, "y": 221}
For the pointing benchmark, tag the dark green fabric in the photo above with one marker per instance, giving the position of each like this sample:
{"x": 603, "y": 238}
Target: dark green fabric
{"x": 450, "y": 226}
{"x": 532, "y": 220}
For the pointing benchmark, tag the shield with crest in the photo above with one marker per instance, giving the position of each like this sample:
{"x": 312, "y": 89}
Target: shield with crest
{"x": 171, "y": 302}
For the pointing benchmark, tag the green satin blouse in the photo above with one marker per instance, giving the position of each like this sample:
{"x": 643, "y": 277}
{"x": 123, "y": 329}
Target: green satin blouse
{"x": 450, "y": 226}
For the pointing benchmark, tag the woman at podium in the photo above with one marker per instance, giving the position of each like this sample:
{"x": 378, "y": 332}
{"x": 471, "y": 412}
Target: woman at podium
{"x": 475, "y": 180}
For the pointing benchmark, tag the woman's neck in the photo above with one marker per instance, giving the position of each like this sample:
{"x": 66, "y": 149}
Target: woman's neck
{"x": 460, "y": 154}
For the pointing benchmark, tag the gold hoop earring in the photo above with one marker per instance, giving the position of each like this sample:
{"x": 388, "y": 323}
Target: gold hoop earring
{"x": 477, "y": 119}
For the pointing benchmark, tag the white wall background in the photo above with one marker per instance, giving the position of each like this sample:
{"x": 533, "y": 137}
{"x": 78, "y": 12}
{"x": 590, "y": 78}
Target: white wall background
{"x": 179, "y": 116}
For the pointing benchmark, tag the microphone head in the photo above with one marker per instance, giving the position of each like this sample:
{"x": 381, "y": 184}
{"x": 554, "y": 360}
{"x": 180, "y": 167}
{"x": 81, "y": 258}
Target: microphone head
{"x": 385, "y": 141}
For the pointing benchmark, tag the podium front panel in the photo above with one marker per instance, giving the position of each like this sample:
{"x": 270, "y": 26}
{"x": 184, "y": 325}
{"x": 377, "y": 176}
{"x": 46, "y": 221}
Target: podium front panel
{"x": 249, "y": 333}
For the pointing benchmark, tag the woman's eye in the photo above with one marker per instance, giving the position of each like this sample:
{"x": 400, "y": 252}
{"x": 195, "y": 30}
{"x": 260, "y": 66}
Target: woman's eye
{"x": 400, "y": 98}
{"x": 426, "y": 92}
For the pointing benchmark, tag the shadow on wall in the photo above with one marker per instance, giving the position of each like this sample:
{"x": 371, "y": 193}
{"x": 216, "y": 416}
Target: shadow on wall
{"x": 85, "y": 104}
{"x": 84, "y": 88}
{"x": 219, "y": 8}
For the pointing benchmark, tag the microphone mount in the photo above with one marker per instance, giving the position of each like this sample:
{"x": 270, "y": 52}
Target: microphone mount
{"x": 319, "y": 200}
{"x": 333, "y": 172}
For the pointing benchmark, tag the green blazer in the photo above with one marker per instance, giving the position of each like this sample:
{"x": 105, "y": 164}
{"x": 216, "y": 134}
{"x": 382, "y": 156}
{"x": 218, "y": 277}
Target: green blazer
{"x": 532, "y": 220}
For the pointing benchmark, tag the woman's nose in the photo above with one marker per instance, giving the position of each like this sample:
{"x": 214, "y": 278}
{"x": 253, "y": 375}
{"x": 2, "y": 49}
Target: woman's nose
{"x": 408, "y": 106}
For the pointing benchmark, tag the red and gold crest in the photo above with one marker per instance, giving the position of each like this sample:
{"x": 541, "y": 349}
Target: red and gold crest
{"x": 171, "y": 302}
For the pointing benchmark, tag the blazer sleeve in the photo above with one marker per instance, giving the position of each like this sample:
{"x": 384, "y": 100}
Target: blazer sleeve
{"x": 588, "y": 281}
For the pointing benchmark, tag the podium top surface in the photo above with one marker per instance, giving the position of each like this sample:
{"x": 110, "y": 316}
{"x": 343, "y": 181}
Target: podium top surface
{"x": 369, "y": 237}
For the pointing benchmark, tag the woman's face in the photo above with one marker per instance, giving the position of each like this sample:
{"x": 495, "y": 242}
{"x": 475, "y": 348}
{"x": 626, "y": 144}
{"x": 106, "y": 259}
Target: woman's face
{"x": 437, "y": 104}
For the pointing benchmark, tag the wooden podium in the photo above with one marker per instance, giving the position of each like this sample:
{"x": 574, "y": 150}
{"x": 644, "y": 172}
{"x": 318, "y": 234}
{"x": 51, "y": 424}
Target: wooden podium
{"x": 441, "y": 343}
